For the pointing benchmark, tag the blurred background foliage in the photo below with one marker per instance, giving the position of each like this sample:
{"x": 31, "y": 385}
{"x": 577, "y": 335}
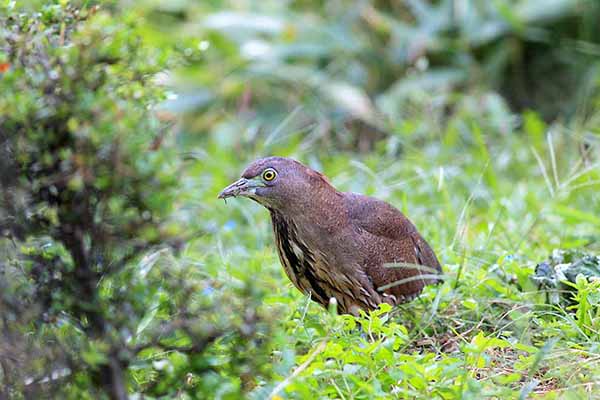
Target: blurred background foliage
{"x": 120, "y": 121}
{"x": 368, "y": 68}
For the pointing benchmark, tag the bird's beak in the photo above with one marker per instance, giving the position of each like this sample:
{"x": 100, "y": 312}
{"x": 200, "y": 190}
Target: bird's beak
{"x": 241, "y": 187}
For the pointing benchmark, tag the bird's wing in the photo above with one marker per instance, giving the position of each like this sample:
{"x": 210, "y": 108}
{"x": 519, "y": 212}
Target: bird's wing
{"x": 400, "y": 241}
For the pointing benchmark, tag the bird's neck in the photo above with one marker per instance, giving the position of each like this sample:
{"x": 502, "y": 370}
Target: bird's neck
{"x": 323, "y": 207}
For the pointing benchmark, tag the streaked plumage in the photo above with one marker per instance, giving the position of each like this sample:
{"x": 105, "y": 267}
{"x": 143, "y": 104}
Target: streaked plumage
{"x": 335, "y": 244}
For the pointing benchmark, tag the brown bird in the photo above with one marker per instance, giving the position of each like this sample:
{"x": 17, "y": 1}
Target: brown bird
{"x": 356, "y": 249}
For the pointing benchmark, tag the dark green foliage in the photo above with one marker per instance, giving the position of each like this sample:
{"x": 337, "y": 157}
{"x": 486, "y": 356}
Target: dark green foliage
{"x": 89, "y": 177}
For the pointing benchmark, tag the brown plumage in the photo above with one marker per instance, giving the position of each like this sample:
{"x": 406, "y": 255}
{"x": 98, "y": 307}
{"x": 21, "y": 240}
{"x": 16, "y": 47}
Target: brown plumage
{"x": 338, "y": 245}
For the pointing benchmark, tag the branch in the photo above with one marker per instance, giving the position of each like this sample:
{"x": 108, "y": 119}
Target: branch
{"x": 198, "y": 344}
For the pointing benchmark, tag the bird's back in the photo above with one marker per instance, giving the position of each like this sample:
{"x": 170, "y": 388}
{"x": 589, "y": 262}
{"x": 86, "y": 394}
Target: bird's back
{"x": 398, "y": 261}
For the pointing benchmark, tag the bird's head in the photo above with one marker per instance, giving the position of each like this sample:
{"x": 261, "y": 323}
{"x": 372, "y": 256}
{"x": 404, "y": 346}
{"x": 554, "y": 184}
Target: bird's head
{"x": 276, "y": 182}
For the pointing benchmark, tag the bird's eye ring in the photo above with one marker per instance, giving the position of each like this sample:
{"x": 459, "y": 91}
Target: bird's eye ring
{"x": 269, "y": 174}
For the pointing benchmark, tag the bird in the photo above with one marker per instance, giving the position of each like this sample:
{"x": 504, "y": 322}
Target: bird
{"x": 338, "y": 247}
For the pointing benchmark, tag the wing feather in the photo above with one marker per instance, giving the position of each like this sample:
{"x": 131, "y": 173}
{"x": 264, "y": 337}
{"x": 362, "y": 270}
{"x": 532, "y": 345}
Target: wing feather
{"x": 399, "y": 242}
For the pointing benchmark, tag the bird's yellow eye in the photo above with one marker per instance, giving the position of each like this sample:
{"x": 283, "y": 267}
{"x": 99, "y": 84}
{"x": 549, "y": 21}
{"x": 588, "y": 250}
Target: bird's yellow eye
{"x": 269, "y": 174}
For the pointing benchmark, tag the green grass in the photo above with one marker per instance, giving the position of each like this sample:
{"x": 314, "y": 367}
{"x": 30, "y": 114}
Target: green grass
{"x": 492, "y": 205}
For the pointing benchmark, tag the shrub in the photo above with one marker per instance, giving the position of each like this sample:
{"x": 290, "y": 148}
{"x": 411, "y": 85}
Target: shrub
{"x": 89, "y": 176}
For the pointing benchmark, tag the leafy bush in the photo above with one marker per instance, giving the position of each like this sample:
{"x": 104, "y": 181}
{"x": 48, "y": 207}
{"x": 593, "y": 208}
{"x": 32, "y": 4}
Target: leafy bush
{"x": 89, "y": 178}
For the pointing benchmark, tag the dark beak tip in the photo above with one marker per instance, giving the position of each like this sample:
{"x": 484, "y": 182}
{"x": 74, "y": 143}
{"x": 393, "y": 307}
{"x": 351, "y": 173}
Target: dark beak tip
{"x": 235, "y": 189}
{"x": 223, "y": 195}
